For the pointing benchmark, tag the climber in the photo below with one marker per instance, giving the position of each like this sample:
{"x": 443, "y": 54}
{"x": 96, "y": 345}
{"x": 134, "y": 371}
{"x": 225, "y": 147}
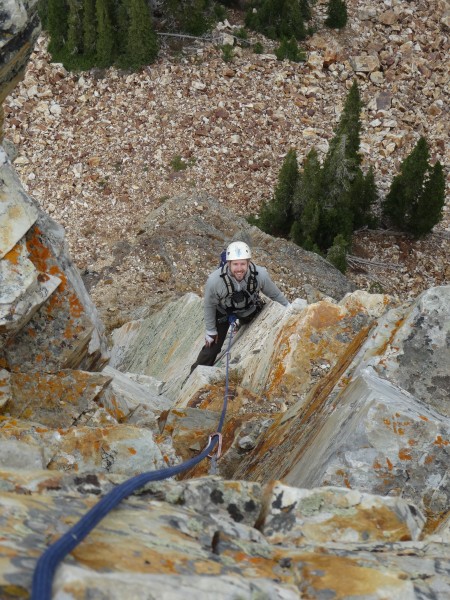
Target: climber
{"x": 232, "y": 292}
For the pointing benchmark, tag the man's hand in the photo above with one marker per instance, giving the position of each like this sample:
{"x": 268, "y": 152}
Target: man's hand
{"x": 210, "y": 340}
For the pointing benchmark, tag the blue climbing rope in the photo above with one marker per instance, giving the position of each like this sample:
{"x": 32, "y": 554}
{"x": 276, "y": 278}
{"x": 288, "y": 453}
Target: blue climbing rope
{"x": 48, "y": 562}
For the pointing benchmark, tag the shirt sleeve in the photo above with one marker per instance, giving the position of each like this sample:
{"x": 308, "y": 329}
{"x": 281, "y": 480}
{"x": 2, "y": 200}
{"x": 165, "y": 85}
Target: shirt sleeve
{"x": 211, "y": 301}
{"x": 268, "y": 287}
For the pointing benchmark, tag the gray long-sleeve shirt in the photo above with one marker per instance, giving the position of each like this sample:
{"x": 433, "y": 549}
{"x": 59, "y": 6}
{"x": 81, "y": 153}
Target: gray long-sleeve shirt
{"x": 217, "y": 295}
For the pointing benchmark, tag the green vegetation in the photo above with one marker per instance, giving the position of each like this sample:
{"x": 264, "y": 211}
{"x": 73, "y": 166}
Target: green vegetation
{"x": 321, "y": 206}
{"x": 227, "y": 52}
{"x": 178, "y": 163}
{"x": 417, "y": 195}
{"x": 289, "y": 49}
{"x": 278, "y": 19}
{"x": 336, "y": 14}
{"x": 88, "y": 33}
{"x": 275, "y": 216}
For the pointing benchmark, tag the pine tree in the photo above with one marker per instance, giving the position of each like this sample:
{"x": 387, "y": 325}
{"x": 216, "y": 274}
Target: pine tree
{"x": 89, "y": 27}
{"x": 337, "y": 253}
{"x": 74, "y": 43}
{"x": 306, "y": 203}
{"x": 57, "y": 12}
{"x": 338, "y": 173}
{"x": 142, "y": 47}
{"x": 428, "y": 210}
{"x": 275, "y": 216}
{"x": 340, "y": 168}
{"x": 277, "y": 19}
{"x": 350, "y": 124}
{"x": 105, "y": 34}
{"x": 406, "y": 189}
{"x": 363, "y": 197}
{"x": 336, "y": 14}
{"x": 289, "y": 49}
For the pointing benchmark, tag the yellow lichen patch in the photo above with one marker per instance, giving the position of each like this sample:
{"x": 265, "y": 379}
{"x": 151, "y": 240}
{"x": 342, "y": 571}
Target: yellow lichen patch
{"x": 256, "y": 566}
{"x": 345, "y": 578}
{"x": 207, "y": 567}
{"x": 323, "y": 314}
{"x": 378, "y": 523}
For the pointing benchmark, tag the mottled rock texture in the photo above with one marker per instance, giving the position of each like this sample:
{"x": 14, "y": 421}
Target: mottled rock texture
{"x": 332, "y": 481}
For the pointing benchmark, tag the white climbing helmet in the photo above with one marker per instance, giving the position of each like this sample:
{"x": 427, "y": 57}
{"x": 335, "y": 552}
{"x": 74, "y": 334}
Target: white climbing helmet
{"x": 238, "y": 251}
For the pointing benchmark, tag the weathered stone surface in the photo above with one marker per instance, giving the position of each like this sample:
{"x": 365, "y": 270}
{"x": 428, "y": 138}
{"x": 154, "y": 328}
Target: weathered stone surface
{"x": 200, "y": 541}
{"x": 61, "y": 334}
{"x": 19, "y": 27}
{"x": 164, "y": 345}
{"x": 54, "y": 400}
{"x": 323, "y": 515}
{"x": 17, "y": 213}
{"x": 365, "y": 63}
{"x": 124, "y": 397}
{"x": 418, "y": 354}
{"x": 319, "y": 391}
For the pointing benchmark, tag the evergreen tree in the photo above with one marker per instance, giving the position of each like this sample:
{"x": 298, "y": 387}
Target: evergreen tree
{"x": 428, "y": 210}
{"x": 406, "y": 189}
{"x": 363, "y": 197}
{"x": 337, "y": 253}
{"x": 338, "y": 173}
{"x": 340, "y": 168}
{"x": 89, "y": 27}
{"x": 142, "y": 41}
{"x": 276, "y": 216}
{"x": 350, "y": 124}
{"x": 305, "y": 10}
{"x": 306, "y": 203}
{"x": 105, "y": 34}
{"x": 336, "y": 14}
{"x": 191, "y": 16}
{"x": 277, "y": 19}
{"x": 74, "y": 43}
{"x": 57, "y": 25}
{"x": 289, "y": 49}
{"x": 42, "y": 7}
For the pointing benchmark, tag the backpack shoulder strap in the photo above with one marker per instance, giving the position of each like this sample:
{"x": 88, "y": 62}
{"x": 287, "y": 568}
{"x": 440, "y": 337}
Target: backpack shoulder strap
{"x": 252, "y": 283}
{"x": 227, "y": 280}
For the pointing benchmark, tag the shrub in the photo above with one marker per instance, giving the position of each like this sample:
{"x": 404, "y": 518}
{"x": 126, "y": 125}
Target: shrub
{"x": 417, "y": 194}
{"x": 275, "y": 216}
{"x": 227, "y": 52}
{"x": 142, "y": 43}
{"x": 277, "y": 19}
{"x": 289, "y": 49}
{"x": 336, "y": 14}
{"x": 337, "y": 254}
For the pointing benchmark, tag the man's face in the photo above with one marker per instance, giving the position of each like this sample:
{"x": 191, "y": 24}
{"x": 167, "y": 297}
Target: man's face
{"x": 238, "y": 268}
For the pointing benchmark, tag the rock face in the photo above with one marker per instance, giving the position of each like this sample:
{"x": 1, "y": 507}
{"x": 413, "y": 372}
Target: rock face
{"x": 333, "y": 476}
{"x": 19, "y": 29}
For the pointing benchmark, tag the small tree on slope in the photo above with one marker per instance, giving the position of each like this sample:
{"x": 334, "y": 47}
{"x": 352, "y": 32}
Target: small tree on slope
{"x": 417, "y": 194}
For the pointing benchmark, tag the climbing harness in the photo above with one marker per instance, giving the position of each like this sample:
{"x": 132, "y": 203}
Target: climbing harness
{"x": 238, "y": 297}
{"x": 48, "y": 562}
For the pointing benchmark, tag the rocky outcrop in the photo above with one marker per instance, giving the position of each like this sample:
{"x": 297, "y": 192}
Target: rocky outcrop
{"x": 19, "y": 29}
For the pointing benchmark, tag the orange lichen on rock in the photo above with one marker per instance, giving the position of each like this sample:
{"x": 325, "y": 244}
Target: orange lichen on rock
{"x": 13, "y": 256}
{"x": 440, "y": 442}
{"x": 404, "y": 454}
